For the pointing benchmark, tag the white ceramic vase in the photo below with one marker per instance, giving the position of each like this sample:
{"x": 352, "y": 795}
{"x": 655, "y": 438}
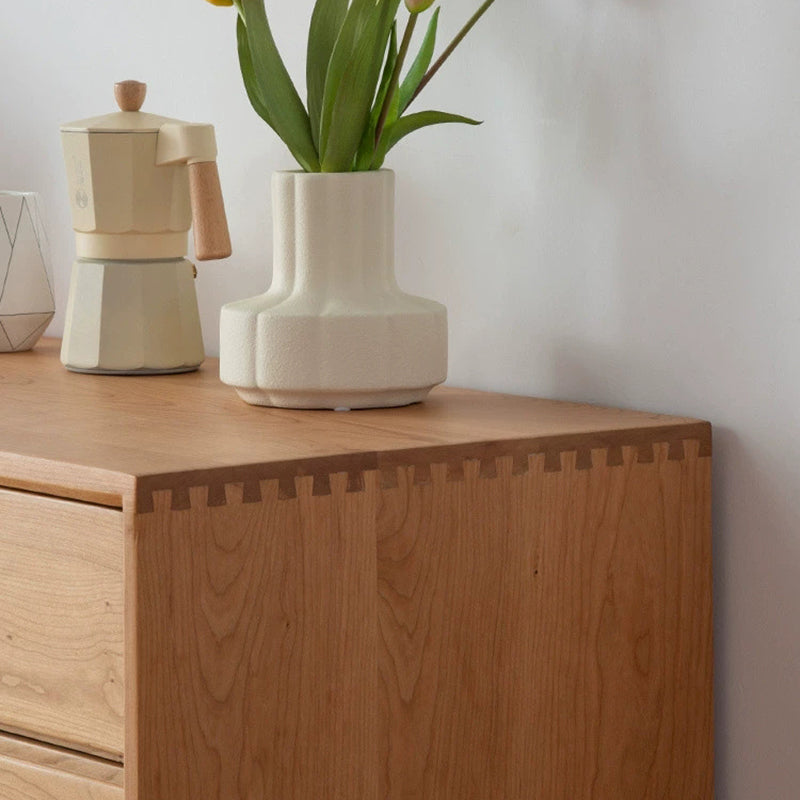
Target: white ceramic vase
{"x": 334, "y": 330}
{"x": 26, "y": 294}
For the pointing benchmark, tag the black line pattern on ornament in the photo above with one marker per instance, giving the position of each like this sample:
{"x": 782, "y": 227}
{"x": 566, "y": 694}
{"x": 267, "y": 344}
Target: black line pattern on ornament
{"x": 11, "y": 254}
{"x": 8, "y": 262}
{"x": 26, "y": 314}
{"x": 19, "y": 220}
{"x": 5, "y": 224}
{"x": 33, "y": 213}
{"x": 10, "y": 245}
{"x": 5, "y": 333}
{"x": 36, "y": 217}
{"x": 39, "y": 330}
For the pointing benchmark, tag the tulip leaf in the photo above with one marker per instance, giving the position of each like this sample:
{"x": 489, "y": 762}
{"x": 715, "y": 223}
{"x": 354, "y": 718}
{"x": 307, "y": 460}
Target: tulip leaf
{"x": 287, "y": 114}
{"x": 421, "y": 63}
{"x": 353, "y": 25}
{"x": 346, "y": 108}
{"x": 366, "y": 150}
{"x": 414, "y": 122}
{"x": 326, "y": 22}
{"x": 248, "y": 73}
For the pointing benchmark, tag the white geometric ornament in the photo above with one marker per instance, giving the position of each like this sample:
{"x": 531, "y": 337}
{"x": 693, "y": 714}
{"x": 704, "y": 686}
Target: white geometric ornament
{"x": 26, "y": 295}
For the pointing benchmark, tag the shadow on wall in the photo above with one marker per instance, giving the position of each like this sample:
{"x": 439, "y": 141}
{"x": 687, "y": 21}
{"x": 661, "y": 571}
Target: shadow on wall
{"x": 756, "y": 566}
{"x": 661, "y": 275}
{"x": 756, "y": 575}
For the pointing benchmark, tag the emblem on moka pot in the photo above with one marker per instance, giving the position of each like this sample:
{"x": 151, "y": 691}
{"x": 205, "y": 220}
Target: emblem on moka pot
{"x": 137, "y": 183}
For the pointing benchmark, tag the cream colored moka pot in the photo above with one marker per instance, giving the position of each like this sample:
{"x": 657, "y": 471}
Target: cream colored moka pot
{"x": 137, "y": 182}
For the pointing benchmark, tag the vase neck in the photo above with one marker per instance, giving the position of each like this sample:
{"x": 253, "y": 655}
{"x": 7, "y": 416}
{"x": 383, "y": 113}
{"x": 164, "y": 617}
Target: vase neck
{"x": 334, "y": 231}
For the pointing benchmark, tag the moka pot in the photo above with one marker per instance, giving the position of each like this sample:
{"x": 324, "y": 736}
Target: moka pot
{"x": 137, "y": 183}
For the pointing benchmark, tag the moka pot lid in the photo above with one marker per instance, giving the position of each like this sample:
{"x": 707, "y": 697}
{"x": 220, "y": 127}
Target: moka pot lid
{"x": 130, "y": 98}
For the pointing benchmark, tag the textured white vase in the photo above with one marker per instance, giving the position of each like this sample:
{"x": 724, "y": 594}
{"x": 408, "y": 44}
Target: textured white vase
{"x": 334, "y": 330}
{"x": 26, "y": 294}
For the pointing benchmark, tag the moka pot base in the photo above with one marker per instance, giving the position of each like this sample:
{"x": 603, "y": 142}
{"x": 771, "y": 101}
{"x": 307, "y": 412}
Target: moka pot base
{"x": 123, "y": 373}
{"x": 132, "y": 318}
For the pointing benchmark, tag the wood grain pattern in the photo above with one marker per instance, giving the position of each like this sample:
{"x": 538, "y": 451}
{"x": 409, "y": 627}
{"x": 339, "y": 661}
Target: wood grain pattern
{"x": 130, "y": 95}
{"x": 482, "y": 597}
{"x": 61, "y": 622}
{"x": 211, "y": 237}
{"x": 542, "y": 634}
{"x": 548, "y": 635}
{"x": 422, "y": 459}
{"x": 19, "y": 748}
{"x": 99, "y": 437}
{"x": 254, "y": 648}
{"x": 31, "y": 771}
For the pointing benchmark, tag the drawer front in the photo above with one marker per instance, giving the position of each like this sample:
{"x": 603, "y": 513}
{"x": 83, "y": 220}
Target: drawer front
{"x": 33, "y": 772}
{"x": 61, "y": 646}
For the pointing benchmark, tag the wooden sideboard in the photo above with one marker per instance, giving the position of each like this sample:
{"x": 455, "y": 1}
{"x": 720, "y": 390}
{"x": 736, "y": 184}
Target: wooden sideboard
{"x": 483, "y": 597}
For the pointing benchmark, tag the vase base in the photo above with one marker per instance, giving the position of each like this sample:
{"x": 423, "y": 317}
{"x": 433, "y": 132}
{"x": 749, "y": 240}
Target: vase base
{"x": 333, "y": 400}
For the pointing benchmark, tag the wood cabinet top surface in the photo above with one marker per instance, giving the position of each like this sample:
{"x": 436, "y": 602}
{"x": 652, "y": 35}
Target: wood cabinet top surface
{"x": 103, "y": 433}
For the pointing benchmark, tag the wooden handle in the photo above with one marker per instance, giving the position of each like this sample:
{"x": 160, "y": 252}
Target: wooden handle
{"x": 211, "y": 237}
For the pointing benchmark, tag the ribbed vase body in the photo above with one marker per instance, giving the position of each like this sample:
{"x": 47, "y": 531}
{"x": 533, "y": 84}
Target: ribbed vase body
{"x": 334, "y": 330}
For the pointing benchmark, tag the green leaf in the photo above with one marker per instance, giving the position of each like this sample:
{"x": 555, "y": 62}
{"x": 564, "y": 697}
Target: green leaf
{"x": 388, "y": 71}
{"x": 348, "y": 100}
{"x": 326, "y": 23}
{"x": 367, "y": 148}
{"x": 276, "y": 93}
{"x": 421, "y": 63}
{"x": 248, "y": 73}
{"x": 340, "y": 57}
{"x": 413, "y": 122}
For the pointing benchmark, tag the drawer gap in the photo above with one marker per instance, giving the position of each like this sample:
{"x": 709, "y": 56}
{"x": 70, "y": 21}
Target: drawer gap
{"x": 63, "y": 760}
{"x": 61, "y": 745}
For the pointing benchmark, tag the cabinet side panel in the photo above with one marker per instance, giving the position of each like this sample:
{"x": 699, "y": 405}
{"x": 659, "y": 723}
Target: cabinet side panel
{"x": 545, "y": 633}
{"x": 255, "y": 646}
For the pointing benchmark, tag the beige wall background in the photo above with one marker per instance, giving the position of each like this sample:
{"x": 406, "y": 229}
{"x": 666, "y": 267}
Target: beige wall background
{"x": 623, "y": 229}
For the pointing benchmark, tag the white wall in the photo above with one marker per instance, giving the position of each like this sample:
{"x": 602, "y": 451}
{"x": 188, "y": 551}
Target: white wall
{"x": 625, "y": 228}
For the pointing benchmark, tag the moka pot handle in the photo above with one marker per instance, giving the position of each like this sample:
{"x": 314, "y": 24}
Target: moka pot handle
{"x": 195, "y": 145}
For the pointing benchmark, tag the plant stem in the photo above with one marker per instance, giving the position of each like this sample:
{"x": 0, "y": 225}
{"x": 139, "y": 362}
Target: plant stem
{"x": 394, "y": 82}
{"x": 449, "y": 50}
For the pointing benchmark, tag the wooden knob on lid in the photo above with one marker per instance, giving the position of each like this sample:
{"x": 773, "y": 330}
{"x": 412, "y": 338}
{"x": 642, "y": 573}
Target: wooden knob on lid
{"x": 130, "y": 95}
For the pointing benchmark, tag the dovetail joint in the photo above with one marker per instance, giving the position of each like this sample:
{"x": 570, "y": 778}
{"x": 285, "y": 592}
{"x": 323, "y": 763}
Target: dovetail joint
{"x": 418, "y": 471}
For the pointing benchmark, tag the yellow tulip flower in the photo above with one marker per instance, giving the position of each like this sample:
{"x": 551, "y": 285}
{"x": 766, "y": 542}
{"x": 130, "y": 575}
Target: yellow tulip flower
{"x": 414, "y": 6}
{"x": 220, "y": 2}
